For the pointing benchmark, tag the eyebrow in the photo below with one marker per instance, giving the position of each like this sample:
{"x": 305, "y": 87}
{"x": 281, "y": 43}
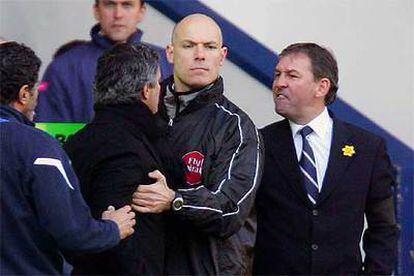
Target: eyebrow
{"x": 288, "y": 71}
{"x": 195, "y": 42}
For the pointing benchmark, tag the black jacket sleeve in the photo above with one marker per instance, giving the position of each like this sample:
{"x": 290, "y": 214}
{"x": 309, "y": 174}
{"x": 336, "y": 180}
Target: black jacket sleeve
{"x": 380, "y": 238}
{"x": 114, "y": 181}
{"x": 235, "y": 175}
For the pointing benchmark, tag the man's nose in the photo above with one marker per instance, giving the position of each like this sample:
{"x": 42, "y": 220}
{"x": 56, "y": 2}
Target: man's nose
{"x": 118, "y": 11}
{"x": 200, "y": 52}
{"x": 279, "y": 82}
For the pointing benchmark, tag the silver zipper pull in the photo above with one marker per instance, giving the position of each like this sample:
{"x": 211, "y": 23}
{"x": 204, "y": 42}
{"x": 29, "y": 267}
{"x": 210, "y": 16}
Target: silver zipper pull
{"x": 170, "y": 123}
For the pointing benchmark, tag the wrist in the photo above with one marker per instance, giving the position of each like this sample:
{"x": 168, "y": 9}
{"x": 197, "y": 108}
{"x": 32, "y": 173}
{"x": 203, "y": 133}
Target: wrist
{"x": 177, "y": 203}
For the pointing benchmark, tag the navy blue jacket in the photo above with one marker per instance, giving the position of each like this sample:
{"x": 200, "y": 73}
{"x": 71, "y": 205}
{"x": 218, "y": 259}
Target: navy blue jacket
{"x": 296, "y": 237}
{"x": 67, "y": 86}
{"x": 42, "y": 209}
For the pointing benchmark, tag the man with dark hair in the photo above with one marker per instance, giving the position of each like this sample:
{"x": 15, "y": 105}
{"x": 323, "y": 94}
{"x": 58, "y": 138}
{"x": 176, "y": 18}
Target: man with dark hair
{"x": 213, "y": 227}
{"x": 42, "y": 209}
{"x": 321, "y": 177}
{"x": 114, "y": 153}
{"x": 67, "y": 86}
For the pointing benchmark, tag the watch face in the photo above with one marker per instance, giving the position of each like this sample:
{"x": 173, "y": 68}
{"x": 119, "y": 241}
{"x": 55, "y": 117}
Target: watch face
{"x": 178, "y": 203}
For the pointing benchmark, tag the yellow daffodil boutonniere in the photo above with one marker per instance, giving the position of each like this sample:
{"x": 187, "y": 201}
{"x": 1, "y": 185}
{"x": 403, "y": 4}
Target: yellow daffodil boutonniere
{"x": 348, "y": 150}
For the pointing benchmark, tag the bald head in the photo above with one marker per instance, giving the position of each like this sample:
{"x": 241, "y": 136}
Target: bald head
{"x": 197, "y": 22}
{"x": 3, "y": 40}
{"x": 197, "y": 52}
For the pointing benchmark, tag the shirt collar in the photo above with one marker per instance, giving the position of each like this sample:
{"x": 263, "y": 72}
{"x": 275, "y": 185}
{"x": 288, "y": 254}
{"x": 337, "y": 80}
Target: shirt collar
{"x": 320, "y": 125}
{"x": 11, "y": 114}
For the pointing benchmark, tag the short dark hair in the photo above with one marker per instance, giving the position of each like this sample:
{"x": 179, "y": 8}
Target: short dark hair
{"x": 19, "y": 66}
{"x": 122, "y": 73}
{"x": 97, "y": 2}
{"x": 323, "y": 64}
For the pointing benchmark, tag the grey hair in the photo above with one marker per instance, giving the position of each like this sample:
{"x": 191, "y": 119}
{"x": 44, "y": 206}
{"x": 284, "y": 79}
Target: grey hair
{"x": 122, "y": 73}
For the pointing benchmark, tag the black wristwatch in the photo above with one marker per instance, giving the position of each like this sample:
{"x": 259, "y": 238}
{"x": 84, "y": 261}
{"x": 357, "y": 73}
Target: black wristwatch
{"x": 178, "y": 202}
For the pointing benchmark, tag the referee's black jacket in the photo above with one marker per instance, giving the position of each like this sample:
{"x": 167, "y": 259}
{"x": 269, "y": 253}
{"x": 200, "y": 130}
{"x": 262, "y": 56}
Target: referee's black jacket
{"x": 214, "y": 232}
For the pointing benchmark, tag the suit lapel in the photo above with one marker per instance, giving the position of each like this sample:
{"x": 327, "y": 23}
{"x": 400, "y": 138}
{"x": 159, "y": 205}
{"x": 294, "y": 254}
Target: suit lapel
{"x": 337, "y": 162}
{"x": 283, "y": 150}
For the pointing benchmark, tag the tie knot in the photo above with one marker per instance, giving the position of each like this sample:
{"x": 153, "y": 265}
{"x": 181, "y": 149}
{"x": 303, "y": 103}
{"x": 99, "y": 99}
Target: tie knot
{"x": 305, "y": 131}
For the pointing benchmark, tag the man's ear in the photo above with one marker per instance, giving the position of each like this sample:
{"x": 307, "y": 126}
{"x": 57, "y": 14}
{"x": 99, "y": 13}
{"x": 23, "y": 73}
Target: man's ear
{"x": 170, "y": 53}
{"x": 324, "y": 85}
{"x": 24, "y": 94}
{"x": 145, "y": 94}
{"x": 224, "y": 51}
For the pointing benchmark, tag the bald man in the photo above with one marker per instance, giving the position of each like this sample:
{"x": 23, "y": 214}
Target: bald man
{"x": 212, "y": 226}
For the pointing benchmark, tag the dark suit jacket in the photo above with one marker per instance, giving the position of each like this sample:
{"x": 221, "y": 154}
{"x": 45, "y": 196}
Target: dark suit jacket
{"x": 295, "y": 237}
{"x": 112, "y": 155}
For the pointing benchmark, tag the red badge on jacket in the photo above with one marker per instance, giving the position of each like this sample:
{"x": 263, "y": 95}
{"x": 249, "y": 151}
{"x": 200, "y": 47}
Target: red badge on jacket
{"x": 194, "y": 167}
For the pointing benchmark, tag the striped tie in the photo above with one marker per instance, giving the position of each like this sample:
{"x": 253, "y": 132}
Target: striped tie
{"x": 308, "y": 166}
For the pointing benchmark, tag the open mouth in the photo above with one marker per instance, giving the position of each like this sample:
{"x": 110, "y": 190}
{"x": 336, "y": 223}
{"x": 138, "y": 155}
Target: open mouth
{"x": 280, "y": 96}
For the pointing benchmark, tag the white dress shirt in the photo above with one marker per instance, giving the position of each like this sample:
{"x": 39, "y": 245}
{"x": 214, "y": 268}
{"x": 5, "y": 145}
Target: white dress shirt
{"x": 320, "y": 141}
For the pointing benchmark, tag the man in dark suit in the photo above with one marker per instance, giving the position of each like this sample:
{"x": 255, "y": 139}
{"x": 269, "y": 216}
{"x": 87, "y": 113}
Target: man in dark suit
{"x": 321, "y": 177}
{"x": 114, "y": 153}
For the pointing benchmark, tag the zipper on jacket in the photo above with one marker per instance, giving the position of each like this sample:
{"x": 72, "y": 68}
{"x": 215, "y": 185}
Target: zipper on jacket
{"x": 177, "y": 105}
{"x": 170, "y": 123}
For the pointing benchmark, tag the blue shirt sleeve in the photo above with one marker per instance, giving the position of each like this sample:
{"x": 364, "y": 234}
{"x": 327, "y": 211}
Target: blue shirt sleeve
{"x": 60, "y": 206}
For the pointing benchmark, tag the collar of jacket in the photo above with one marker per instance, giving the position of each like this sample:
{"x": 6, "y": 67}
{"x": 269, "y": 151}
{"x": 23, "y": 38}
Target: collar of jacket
{"x": 106, "y": 43}
{"x": 209, "y": 94}
{"x": 137, "y": 115}
{"x": 11, "y": 114}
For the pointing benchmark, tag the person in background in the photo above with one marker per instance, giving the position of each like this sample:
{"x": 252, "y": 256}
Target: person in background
{"x": 67, "y": 85}
{"x": 321, "y": 176}
{"x": 42, "y": 209}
